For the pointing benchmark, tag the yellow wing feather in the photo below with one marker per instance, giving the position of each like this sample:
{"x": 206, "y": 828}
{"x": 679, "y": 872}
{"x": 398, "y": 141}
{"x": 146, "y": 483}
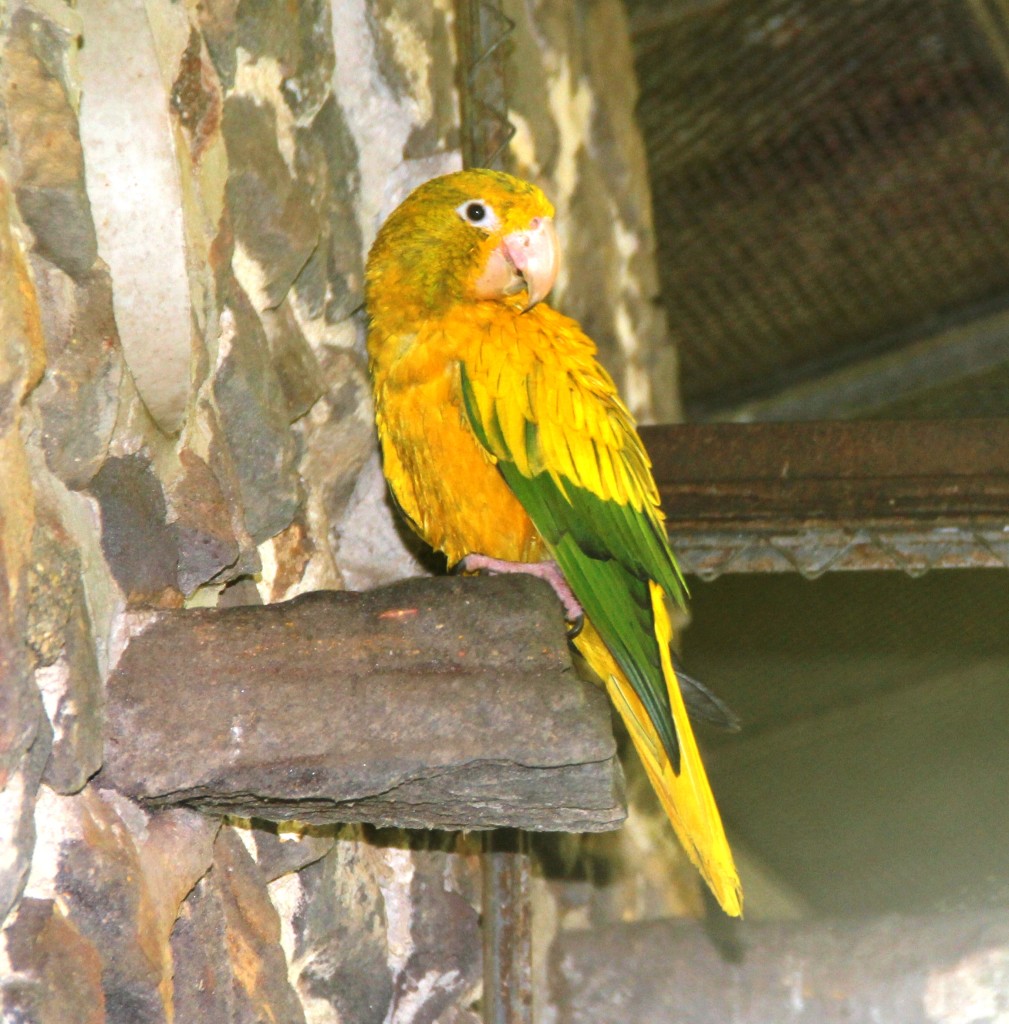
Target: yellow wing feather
{"x": 686, "y": 798}
{"x": 558, "y": 388}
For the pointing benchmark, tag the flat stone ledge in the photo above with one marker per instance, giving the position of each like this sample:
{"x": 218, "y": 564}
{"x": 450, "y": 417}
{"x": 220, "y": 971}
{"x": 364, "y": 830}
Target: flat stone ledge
{"x": 913, "y": 969}
{"x": 434, "y": 703}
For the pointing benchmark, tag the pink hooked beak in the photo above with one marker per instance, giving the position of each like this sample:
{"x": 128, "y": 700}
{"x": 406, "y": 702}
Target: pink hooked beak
{"x": 528, "y": 259}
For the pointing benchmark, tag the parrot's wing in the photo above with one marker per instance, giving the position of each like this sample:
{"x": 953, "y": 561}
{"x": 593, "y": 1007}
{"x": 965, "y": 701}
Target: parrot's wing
{"x": 703, "y": 705}
{"x": 571, "y": 455}
{"x": 567, "y": 447}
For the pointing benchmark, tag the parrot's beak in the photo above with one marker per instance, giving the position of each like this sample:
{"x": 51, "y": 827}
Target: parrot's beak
{"x": 528, "y": 259}
{"x": 536, "y": 255}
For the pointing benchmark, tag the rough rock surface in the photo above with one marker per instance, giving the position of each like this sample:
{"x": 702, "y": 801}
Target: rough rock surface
{"x": 581, "y": 144}
{"x": 119, "y": 875}
{"x": 446, "y": 703}
{"x": 185, "y": 422}
{"x": 841, "y": 971}
{"x": 45, "y": 149}
{"x": 55, "y": 973}
{"x": 66, "y": 667}
{"x": 79, "y": 396}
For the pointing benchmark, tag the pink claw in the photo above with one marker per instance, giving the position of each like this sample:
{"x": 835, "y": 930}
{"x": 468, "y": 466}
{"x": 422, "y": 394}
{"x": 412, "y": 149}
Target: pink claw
{"x": 549, "y": 571}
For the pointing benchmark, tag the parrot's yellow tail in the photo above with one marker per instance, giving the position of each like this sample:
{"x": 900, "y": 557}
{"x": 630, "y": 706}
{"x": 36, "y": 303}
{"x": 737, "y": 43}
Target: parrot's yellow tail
{"x": 687, "y": 796}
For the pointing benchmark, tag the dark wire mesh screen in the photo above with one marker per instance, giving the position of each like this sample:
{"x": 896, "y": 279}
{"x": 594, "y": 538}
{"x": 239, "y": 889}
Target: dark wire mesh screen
{"x": 830, "y": 178}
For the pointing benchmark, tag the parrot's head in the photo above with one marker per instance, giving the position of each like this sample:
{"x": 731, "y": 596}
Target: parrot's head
{"x": 473, "y": 236}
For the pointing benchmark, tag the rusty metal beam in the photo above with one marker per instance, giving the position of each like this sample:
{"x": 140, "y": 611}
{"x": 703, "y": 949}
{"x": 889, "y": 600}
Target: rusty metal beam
{"x": 507, "y": 928}
{"x": 813, "y": 497}
{"x": 483, "y": 35}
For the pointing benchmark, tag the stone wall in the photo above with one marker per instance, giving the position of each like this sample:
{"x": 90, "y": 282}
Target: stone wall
{"x": 187, "y": 192}
{"x": 572, "y": 94}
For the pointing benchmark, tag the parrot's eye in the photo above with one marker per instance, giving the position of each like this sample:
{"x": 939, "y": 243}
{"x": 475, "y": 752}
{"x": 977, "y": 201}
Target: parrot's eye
{"x": 478, "y": 213}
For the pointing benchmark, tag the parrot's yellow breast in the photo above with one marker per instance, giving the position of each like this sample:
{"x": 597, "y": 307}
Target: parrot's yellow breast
{"x": 444, "y": 481}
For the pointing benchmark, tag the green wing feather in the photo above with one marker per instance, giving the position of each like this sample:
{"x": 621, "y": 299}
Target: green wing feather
{"x": 567, "y": 448}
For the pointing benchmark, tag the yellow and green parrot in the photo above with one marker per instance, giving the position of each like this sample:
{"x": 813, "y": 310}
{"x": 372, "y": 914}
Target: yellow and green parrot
{"x": 507, "y": 447}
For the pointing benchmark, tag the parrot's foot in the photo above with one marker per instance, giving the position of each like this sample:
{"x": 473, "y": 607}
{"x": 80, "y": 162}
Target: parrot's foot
{"x": 549, "y": 571}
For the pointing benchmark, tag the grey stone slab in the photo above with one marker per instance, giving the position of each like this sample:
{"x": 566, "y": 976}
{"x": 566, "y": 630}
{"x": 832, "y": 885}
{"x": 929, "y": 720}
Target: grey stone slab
{"x": 915, "y": 970}
{"x": 99, "y": 881}
{"x": 17, "y": 794}
{"x": 341, "y": 933}
{"x": 258, "y": 968}
{"x": 139, "y": 543}
{"x": 59, "y": 636}
{"x": 228, "y": 965}
{"x": 55, "y": 973}
{"x": 255, "y": 422}
{"x": 273, "y": 213}
{"x": 447, "y": 703}
{"x": 45, "y": 143}
{"x": 446, "y": 960}
{"x": 283, "y": 848}
{"x": 204, "y": 533}
{"x": 294, "y": 362}
{"x": 78, "y": 399}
